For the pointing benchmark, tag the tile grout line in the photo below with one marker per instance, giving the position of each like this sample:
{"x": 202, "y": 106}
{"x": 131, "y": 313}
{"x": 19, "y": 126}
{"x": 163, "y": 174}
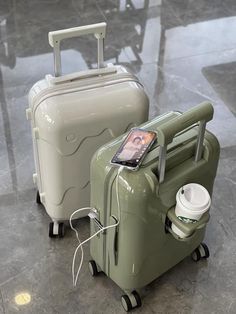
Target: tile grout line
{"x": 178, "y": 76}
{"x": 188, "y": 57}
{"x": 196, "y": 91}
{"x": 200, "y": 54}
{"x": 26, "y": 269}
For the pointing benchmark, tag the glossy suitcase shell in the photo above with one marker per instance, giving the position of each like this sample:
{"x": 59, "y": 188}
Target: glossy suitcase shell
{"x": 143, "y": 246}
{"x": 72, "y": 116}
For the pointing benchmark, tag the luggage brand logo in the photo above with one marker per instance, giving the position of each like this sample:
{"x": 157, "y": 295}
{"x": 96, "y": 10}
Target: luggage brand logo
{"x": 71, "y": 137}
{"x": 187, "y": 220}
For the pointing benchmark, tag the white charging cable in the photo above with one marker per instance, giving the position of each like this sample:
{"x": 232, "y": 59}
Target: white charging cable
{"x": 77, "y": 236}
{"x": 80, "y": 246}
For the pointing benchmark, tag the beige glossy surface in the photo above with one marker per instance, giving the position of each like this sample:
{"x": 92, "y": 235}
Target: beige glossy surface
{"x": 70, "y": 120}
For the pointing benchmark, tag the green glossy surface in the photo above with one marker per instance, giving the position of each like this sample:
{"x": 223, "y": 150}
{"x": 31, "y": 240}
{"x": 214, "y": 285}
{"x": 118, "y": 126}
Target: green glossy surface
{"x": 140, "y": 250}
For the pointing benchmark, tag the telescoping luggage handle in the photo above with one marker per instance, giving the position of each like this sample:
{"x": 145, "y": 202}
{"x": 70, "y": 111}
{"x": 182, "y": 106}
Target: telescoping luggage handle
{"x": 166, "y": 132}
{"x": 55, "y": 38}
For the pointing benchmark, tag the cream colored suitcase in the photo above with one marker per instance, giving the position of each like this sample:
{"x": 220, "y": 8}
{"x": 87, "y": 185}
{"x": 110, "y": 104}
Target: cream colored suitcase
{"x": 71, "y": 117}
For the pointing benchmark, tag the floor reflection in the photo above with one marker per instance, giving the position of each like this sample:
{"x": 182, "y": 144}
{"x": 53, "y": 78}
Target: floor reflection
{"x": 27, "y": 37}
{"x": 8, "y": 137}
{"x": 158, "y": 40}
{"x": 221, "y": 77}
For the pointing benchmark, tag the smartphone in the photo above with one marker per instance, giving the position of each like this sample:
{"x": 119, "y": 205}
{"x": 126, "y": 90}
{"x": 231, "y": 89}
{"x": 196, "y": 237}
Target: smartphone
{"x": 134, "y": 148}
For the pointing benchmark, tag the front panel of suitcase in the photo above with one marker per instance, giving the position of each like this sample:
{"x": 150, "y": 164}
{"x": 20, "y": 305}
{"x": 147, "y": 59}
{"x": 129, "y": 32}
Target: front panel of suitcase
{"x": 68, "y": 128}
{"x": 72, "y": 115}
{"x": 140, "y": 249}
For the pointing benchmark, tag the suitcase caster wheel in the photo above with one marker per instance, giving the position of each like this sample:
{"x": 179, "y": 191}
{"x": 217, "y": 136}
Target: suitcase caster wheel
{"x": 50, "y": 230}
{"x": 38, "y": 200}
{"x": 200, "y": 252}
{"x": 93, "y": 268}
{"x": 56, "y": 229}
{"x": 131, "y": 302}
{"x": 61, "y": 230}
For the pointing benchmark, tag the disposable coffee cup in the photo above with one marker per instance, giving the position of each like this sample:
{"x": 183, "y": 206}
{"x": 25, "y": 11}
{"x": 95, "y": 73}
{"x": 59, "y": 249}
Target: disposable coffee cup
{"x": 192, "y": 201}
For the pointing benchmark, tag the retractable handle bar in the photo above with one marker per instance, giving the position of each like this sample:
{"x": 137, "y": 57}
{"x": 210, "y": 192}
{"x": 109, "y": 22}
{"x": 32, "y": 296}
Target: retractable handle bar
{"x": 166, "y": 132}
{"x": 55, "y": 38}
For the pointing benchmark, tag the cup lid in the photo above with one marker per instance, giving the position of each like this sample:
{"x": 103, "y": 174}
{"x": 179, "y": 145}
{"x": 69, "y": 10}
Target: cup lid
{"x": 194, "y": 196}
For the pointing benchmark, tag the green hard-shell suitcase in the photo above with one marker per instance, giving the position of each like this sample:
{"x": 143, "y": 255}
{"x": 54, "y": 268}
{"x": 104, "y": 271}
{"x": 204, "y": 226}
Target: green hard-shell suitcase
{"x": 143, "y": 245}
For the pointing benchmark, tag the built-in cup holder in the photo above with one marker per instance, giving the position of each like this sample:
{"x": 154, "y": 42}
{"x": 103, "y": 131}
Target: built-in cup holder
{"x": 192, "y": 201}
{"x": 188, "y": 229}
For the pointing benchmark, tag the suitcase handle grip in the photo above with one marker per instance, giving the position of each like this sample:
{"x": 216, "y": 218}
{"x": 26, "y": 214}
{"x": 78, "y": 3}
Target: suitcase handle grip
{"x": 166, "y": 132}
{"x": 55, "y": 38}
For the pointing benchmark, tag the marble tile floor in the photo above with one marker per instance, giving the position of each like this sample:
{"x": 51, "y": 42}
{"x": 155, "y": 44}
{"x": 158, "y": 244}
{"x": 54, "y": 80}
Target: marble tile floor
{"x": 184, "y": 52}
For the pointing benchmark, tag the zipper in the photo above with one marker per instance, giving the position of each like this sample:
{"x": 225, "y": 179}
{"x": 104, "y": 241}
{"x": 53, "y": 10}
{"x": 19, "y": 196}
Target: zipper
{"x": 74, "y": 87}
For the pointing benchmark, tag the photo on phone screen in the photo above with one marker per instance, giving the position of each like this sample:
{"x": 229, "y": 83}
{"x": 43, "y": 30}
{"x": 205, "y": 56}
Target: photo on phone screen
{"x": 134, "y": 148}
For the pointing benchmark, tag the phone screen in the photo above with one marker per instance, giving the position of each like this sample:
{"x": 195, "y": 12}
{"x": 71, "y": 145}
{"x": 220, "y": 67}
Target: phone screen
{"x": 134, "y": 148}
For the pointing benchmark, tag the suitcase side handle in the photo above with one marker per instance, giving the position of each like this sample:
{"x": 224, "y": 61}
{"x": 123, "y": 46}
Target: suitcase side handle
{"x": 166, "y": 132}
{"x": 55, "y": 38}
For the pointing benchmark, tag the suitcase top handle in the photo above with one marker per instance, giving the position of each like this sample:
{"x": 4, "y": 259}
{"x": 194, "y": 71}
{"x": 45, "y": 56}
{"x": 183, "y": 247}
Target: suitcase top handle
{"x": 55, "y": 38}
{"x": 166, "y": 132}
